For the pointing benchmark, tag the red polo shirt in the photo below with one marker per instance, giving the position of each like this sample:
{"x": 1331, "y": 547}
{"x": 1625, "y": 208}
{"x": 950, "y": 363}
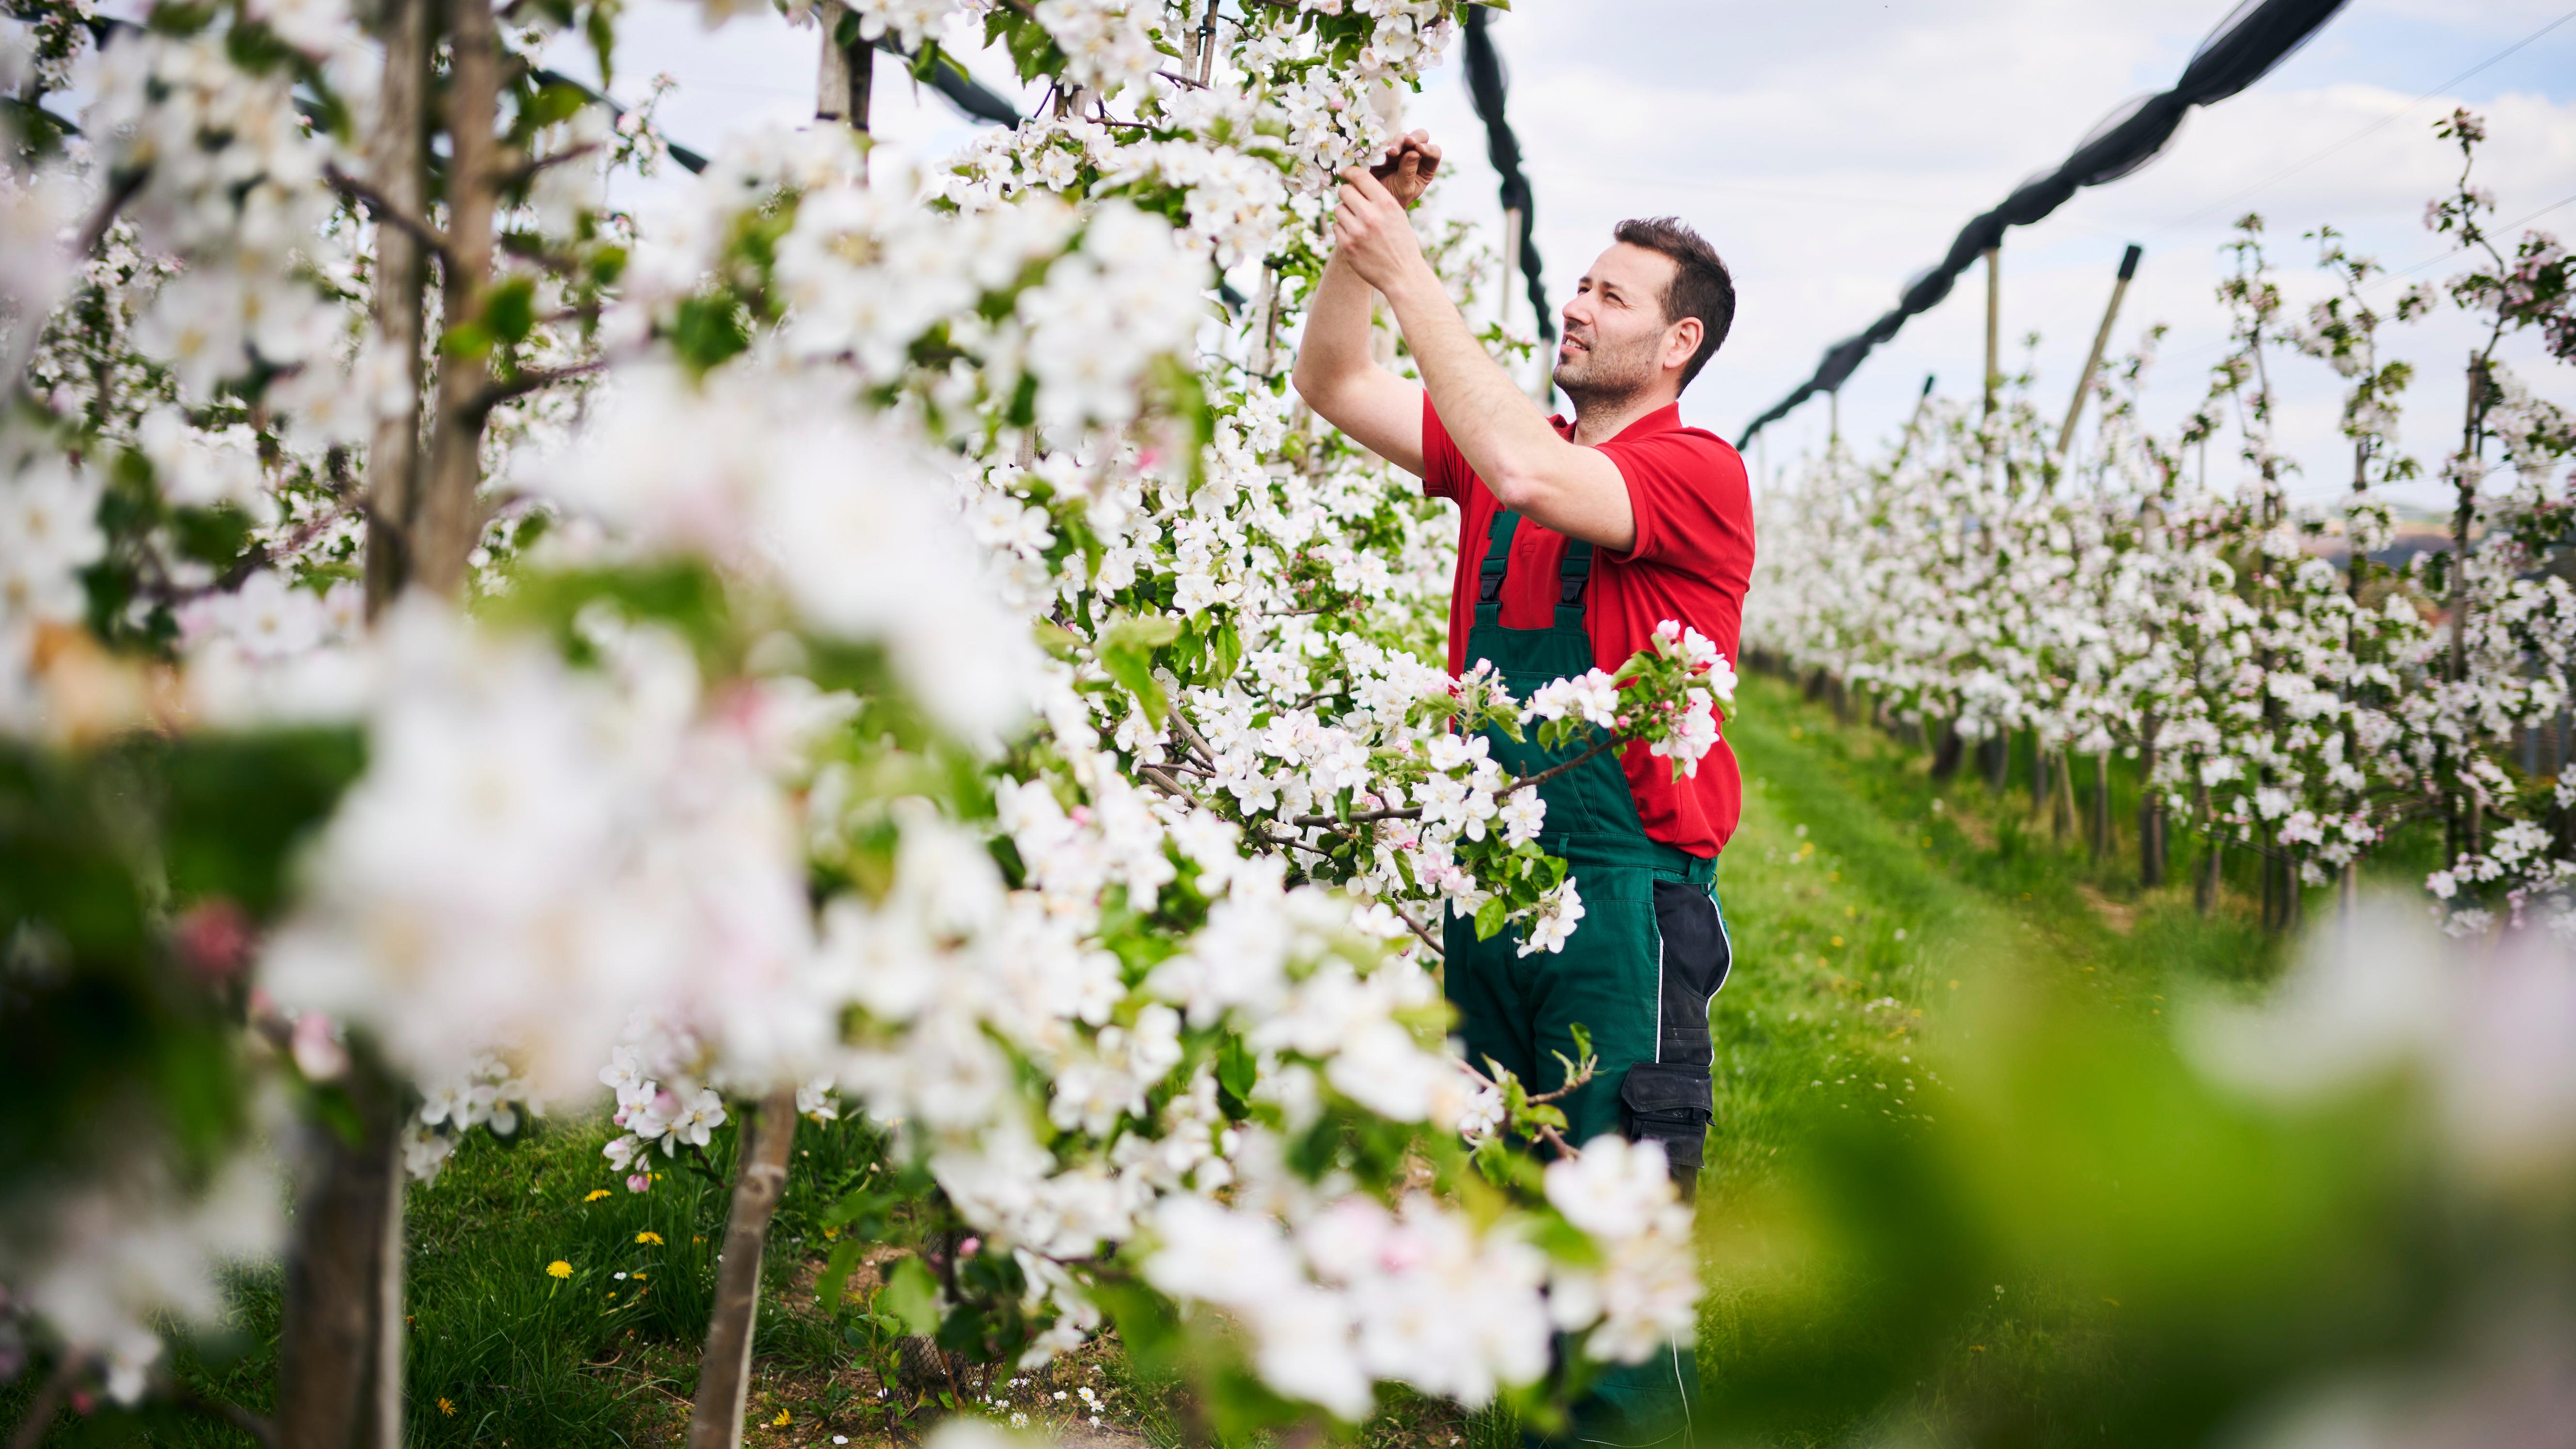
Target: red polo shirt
{"x": 1692, "y": 560}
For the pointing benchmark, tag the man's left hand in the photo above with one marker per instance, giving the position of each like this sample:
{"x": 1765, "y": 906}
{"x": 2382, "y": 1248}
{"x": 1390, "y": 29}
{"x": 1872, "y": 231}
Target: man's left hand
{"x": 1372, "y": 233}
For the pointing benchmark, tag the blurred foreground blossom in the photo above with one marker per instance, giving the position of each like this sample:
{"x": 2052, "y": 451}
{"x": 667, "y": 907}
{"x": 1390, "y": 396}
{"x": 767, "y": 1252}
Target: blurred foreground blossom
{"x": 2488, "y": 1025}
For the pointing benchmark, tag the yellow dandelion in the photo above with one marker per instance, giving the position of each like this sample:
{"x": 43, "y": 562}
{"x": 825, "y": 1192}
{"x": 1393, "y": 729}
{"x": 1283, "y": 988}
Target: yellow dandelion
{"x": 830, "y": 1233}
{"x": 783, "y": 1420}
{"x": 640, "y": 1277}
{"x": 596, "y": 1194}
{"x": 649, "y": 1236}
{"x": 559, "y": 1269}
{"x": 447, "y": 1407}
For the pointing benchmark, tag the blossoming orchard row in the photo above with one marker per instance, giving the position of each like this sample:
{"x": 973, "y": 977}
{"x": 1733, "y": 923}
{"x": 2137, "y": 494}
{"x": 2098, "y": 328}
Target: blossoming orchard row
{"x": 872, "y": 630}
{"x": 2277, "y": 701}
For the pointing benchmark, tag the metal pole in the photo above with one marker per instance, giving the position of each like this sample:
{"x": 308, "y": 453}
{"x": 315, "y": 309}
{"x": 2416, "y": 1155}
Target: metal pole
{"x": 2101, "y": 339}
{"x": 1994, "y": 323}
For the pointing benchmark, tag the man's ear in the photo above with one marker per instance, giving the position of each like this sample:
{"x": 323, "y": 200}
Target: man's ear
{"x": 1681, "y": 342}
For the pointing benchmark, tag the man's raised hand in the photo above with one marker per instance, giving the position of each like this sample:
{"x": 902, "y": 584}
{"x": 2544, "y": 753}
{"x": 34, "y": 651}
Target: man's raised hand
{"x": 1372, "y": 233}
{"x": 1410, "y": 163}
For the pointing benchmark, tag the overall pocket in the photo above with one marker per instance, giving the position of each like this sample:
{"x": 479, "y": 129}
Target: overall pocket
{"x": 1669, "y": 1100}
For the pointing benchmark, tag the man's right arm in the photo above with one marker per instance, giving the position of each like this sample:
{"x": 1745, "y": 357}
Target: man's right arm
{"x": 1338, "y": 379}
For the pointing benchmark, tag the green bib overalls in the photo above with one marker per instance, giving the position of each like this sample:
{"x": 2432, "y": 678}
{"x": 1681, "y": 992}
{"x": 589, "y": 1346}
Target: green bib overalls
{"x": 1637, "y": 974}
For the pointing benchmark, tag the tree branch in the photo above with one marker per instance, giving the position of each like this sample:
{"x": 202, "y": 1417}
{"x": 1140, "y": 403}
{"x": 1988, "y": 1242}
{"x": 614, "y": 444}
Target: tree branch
{"x": 384, "y": 211}
{"x": 1414, "y": 812}
{"x": 231, "y": 1413}
{"x": 47, "y": 1403}
{"x": 532, "y": 380}
{"x": 1416, "y": 928}
{"x": 120, "y": 190}
{"x": 1552, "y": 771}
{"x": 527, "y": 171}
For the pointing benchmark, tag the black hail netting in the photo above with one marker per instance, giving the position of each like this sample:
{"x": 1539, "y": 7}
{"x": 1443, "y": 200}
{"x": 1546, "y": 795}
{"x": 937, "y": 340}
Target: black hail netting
{"x": 1485, "y": 86}
{"x": 2257, "y": 36}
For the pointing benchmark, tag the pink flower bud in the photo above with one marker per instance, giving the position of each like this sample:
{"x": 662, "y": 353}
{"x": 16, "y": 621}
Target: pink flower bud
{"x": 214, "y": 939}
{"x": 316, "y": 1044}
{"x": 637, "y": 1182}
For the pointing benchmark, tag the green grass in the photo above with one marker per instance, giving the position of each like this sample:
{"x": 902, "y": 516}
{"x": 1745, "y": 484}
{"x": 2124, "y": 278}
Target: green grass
{"x": 1862, "y": 899}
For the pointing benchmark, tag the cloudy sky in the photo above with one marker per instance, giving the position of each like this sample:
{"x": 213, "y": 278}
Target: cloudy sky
{"x": 1831, "y": 149}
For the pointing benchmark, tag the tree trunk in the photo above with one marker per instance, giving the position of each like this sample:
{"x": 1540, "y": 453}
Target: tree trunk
{"x": 2204, "y": 897}
{"x": 2098, "y": 818}
{"x": 447, "y": 518}
{"x": 339, "y": 1352}
{"x": 847, "y": 72}
{"x": 1945, "y": 759}
{"x": 724, "y": 1369}
{"x": 2151, "y": 822}
{"x": 398, "y": 157}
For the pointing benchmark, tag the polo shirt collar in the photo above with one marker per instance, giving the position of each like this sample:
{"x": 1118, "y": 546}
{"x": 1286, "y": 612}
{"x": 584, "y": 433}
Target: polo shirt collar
{"x": 1664, "y": 419}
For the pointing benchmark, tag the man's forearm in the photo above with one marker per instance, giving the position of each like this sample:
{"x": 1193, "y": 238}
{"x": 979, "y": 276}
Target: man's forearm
{"x": 1334, "y": 349}
{"x": 1530, "y": 469}
{"x": 1501, "y": 433}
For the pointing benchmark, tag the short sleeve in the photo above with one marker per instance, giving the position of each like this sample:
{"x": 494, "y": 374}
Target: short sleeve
{"x": 1444, "y": 468}
{"x": 1688, "y": 495}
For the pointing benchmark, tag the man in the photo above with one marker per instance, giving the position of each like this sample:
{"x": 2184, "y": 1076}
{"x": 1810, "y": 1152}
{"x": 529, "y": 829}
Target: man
{"x": 1575, "y": 540}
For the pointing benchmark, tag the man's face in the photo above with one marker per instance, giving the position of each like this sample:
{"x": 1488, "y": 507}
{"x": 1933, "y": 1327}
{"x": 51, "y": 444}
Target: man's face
{"x": 1615, "y": 334}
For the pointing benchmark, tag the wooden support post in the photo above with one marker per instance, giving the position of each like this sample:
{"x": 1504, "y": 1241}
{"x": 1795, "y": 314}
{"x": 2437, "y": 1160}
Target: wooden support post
{"x": 1994, "y": 324}
{"x": 2101, "y": 340}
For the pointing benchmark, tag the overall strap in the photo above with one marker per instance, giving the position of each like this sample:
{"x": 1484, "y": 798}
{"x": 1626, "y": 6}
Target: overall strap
{"x": 1572, "y": 573}
{"x": 1498, "y": 559}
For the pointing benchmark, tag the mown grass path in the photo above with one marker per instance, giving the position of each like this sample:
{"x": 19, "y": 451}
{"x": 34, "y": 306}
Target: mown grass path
{"x": 1870, "y": 907}
{"x": 1860, "y": 896}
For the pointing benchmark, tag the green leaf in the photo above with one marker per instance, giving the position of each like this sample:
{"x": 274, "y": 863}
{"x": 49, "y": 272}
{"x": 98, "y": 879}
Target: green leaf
{"x": 1236, "y": 1071}
{"x": 1126, "y": 650}
{"x": 911, "y": 1297}
{"x": 709, "y": 330}
{"x": 1228, "y": 646}
{"x": 510, "y": 310}
{"x": 555, "y": 102}
{"x": 601, "y": 31}
{"x": 467, "y": 340}
{"x": 1489, "y": 918}
{"x": 836, "y": 1274}
{"x": 1056, "y": 639}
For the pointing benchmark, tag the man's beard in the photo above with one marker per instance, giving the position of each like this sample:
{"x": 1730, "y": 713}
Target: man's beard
{"x": 1593, "y": 378}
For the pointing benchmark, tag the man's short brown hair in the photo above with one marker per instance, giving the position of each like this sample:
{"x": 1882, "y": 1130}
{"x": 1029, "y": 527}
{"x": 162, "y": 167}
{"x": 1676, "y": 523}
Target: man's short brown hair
{"x": 1701, "y": 286}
